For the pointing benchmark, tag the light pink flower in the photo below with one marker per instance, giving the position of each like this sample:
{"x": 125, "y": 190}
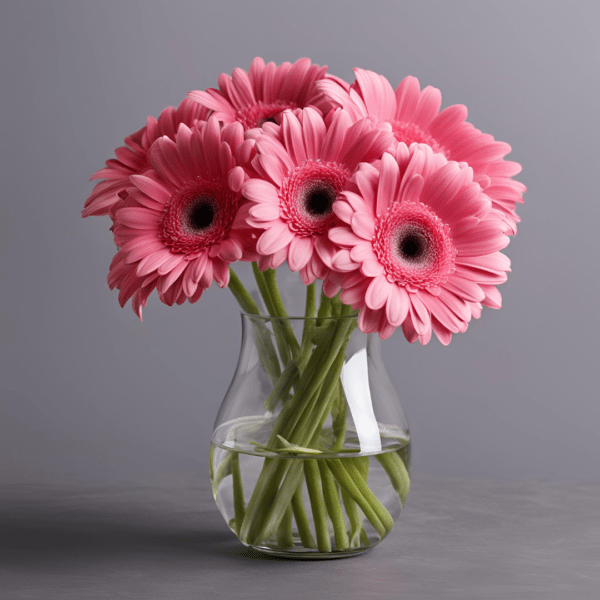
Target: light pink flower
{"x": 302, "y": 168}
{"x": 181, "y": 224}
{"x": 132, "y": 159}
{"x": 419, "y": 246}
{"x": 415, "y": 117}
{"x": 263, "y": 93}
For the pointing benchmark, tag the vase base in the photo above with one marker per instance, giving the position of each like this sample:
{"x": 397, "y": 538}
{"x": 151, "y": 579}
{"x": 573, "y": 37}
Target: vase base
{"x": 302, "y": 553}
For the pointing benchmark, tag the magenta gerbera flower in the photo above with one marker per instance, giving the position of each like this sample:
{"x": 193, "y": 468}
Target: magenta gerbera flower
{"x": 262, "y": 94}
{"x": 303, "y": 167}
{"x": 414, "y": 116}
{"x": 420, "y": 245}
{"x": 180, "y": 226}
{"x": 132, "y": 159}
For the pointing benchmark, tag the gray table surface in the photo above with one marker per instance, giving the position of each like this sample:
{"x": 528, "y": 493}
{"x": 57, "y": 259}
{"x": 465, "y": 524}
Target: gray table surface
{"x": 164, "y": 538}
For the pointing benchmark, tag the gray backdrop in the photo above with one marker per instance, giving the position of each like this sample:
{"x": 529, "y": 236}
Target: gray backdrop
{"x": 89, "y": 394}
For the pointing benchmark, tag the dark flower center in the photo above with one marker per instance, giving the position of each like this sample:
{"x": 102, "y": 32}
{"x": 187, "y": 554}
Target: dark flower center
{"x": 412, "y": 246}
{"x": 318, "y": 200}
{"x": 199, "y": 215}
{"x": 307, "y": 196}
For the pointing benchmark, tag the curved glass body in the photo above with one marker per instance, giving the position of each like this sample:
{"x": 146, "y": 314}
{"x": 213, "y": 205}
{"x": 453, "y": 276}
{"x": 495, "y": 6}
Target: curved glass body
{"x": 311, "y": 448}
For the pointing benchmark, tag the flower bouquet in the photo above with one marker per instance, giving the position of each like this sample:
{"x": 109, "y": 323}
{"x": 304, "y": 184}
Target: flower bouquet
{"x": 396, "y": 210}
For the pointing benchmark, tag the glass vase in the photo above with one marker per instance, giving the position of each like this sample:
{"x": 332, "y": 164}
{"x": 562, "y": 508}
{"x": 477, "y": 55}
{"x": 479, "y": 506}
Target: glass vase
{"x": 310, "y": 454}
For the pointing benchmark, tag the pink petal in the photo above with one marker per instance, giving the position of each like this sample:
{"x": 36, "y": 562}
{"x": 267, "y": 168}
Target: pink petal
{"x": 153, "y": 262}
{"x": 231, "y": 250}
{"x": 363, "y": 251}
{"x": 189, "y": 285}
{"x": 378, "y": 292}
{"x": 377, "y": 94}
{"x": 343, "y": 236}
{"x": 341, "y": 261}
{"x": 325, "y": 249}
{"x": 343, "y": 211}
{"x": 407, "y": 97}
{"x": 262, "y": 192}
{"x": 236, "y": 179}
{"x": 419, "y": 315}
{"x": 292, "y": 136}
{"x": 274, "y": 239}
{"x": 265, "y": 212}
{"x": 171, "y": 276}
{"x": 138, "y": 218}
{"x": 367, "y": 180}
{"x": 334, "y": 141}
{"x": 207, "y": 275}
{"x": 141, "y": 252}
{"x": 300, "y": 252}
{"x": 427, "y": 107}
{"x": 313, "y": 131}
{"x": 221, "y": 272}
{"x": 273, "y": 158}
{"x": 243, "y": 86}
{"x": 447, "y": 120}
{"x": 388, "y": 183}
{"x": 468, "y": 290}
{"x": 493, "y": 298}
{"x": 152, "y": 188}
{"x": 409, "y": 331}
{"x": 368, "y": 320}
{"x": 355, "y": 296}
{"x": 412, "y": 190}
{"x": 363, "y": 225}
{"x": 371, "y": 268}
{"x": 398, "y": 305}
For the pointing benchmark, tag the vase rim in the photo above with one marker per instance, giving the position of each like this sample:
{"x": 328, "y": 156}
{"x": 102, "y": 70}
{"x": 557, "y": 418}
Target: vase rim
{"x": 297, "y": 318}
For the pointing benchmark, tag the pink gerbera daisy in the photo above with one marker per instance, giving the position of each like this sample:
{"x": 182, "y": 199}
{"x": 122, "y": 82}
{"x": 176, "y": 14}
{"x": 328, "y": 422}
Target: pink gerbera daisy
{"x": 414, "y": 116}
{"x": 132, "y": 159}
{"x": 262, "y": 94}
{"x": 179, "y": 228}
{"x": 303, "y": 167}
{"x": 419, "y": 245}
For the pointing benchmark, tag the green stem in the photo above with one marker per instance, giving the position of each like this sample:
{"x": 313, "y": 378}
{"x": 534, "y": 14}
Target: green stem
{"x": 241, "y": 294}
{"x": 334, "y": 507}
{"x": 284, "y": 531}
{"x": 238, "y": 492}
{"x": 346, "y": 478}
{"x": 301, "y": 518}
{"x": 309, "y": 314}
{"x": 278, "y": 330}
{"x": 270, "y": 278}
{"x": 318, "y": 368}
{"x": 397, "y": 472}
{"x": 339, "y": 419}
{"x": 355, "y": 518}
{"x": 324, "y": 309}
{"x": 264, "y": 345}
{"x": 353, "y": 469}
{"x": 222, "y": 471}
{"x": 313, "y": 483}
{"x": 282, "y": 386}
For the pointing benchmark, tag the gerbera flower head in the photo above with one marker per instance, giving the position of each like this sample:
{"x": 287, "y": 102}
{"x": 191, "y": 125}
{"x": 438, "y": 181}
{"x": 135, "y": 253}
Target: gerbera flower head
{"x": 415, "y": 116}
{"x": 419, "y": 245}
{"x": 303, "y": 167}
{"x": 262, "y": 94}
{"x": 132, "y": 159}
{"x": 181, "y": 224}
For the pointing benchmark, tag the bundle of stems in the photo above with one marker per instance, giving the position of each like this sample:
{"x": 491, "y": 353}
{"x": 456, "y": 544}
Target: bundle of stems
{"x": 305, "y": 375}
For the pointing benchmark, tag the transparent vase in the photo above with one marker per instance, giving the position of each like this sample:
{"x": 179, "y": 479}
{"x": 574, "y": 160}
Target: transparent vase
{"x": 310, "y": 454}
